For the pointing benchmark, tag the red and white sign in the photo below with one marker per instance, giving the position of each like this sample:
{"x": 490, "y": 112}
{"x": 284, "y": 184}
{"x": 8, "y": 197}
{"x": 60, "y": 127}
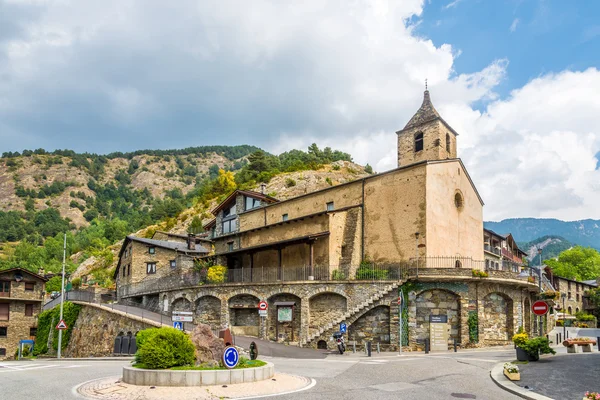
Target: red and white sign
{"x": 539, "y": 307}
{"x": 61, "y": 325}
{"x": 262, "y": 305}
{"x": 399, "y": 301}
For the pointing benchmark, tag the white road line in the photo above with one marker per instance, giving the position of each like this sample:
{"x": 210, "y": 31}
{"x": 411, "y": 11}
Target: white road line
{"x": 468, "y": 359}
{"x": 27, "y": 369}
{"x": 310, "y": 386}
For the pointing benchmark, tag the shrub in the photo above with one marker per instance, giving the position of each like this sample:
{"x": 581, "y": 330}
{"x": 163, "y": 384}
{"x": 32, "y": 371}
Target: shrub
{"x": 536, "y": 346}
{"x": 581, "y": 316}
{"x": 480, "y": 274}
{"x": 367, "y": 271}
{"x": 76, "y": 282}
{"x": 338, "y": 275}
{"x": 473, "y": 322}
{"x": 216, "y": 274}
{"x": 289, "y": 182}
{"x": 163, "y": 348}
{"x": 328, "y": 180}
{"x": 520, "y": 338}
{"x": 560, "y": 322}
{"x": 335, "y": 167}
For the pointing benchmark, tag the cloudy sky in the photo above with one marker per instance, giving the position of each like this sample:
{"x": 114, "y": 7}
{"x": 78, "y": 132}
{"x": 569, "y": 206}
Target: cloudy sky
{"x": 518, "y": 80}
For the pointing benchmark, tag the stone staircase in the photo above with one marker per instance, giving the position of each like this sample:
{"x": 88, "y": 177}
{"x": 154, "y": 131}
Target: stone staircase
{"x": 360, "y": 309}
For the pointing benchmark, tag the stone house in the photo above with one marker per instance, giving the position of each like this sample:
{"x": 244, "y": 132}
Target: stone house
{"x": 573, "y": 291}
{"x": 21, "y": 297}
{"x": 501, "y": 252}
{"x": 348, "y": 252}
{"x": 142, "y": 259}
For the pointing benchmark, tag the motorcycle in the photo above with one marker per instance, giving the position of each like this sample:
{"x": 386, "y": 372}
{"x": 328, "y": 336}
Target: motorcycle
{"x": 339, "y": 338}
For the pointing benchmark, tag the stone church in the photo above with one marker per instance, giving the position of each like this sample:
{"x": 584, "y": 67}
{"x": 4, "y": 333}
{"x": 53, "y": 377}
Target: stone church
{"x": 404, "y": 242}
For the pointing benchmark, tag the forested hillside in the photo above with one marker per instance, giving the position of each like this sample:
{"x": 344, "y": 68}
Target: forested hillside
{"x": 100, "y": 199}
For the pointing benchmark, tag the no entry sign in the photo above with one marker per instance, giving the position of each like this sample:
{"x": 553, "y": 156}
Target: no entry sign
{"x": 539, "y": 307}
{"x": 262, "y": 305}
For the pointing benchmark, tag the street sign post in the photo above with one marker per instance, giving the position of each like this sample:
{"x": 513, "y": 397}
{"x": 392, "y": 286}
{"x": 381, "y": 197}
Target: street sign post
{"x": 540, "y": 308}
{"x": 343, "y": 327}
{"x": 182, "y": 316}
{"x": 231, "y": 357}
{"x": 62, "y": 326}
{"x": 178, "y": 325}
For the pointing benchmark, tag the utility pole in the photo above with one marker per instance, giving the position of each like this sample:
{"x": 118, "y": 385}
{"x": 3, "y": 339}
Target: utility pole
{"x": 540, "y": 318}
{"x": 62, "y": 295}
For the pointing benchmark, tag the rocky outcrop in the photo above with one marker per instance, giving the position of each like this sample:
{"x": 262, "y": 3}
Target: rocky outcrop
{"x": 209, "y": 348}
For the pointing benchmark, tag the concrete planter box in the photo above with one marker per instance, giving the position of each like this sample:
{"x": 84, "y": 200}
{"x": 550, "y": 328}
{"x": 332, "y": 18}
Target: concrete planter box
{"x": 165, "y": 377}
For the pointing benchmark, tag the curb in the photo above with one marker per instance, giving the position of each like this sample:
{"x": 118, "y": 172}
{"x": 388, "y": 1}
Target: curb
{"x": 87, "y": 359}
{"x": 497, "y": 375}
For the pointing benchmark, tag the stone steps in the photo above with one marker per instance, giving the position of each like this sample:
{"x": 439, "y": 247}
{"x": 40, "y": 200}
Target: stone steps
{"x": 376, "y": 297}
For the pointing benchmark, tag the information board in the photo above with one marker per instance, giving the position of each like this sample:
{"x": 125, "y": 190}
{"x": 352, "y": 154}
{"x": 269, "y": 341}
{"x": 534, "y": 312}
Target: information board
{"x": 284, "y": 314}
{"x": 438, "y": 332}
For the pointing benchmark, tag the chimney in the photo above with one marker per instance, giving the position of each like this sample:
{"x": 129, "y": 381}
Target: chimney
{"x": 191, "y": 241}
{"x": 263, "y": 186}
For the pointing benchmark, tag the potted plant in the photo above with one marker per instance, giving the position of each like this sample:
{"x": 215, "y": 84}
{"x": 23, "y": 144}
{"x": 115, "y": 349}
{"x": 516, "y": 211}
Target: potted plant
{"x": 535, "y": 347}
{"x": 519, "y": 340}
{"x": 592, "y": 396}
{"x": 512, "y": 372}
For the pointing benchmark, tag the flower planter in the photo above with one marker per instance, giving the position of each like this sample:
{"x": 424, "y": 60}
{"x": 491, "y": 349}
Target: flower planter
{"x": 513, "y": 376}
{"x": 522, "y": 355}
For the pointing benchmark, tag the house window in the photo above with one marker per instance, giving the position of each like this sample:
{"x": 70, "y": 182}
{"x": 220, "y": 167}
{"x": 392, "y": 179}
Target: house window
{"x": 4, "y": 288}
{"x": 458, "y": 201}
{"x": 252, "y": 203}
{"x": 173, "y": 263}
{"x": 569, "y": 285}
{"x": 570, "y": 296}
{"x": 228, "y": 212}
{"x": 229, "y": 226}
{"x": 230, "y": 246}
{"x": 330, "y": 206}
{"x": 129, "y": 270}
{"x": 447, "y": 143}
{"x": 284, "y": 217}
{"x": 497, "y": 266}
{"x": 577, "y": 297}
{"x": 4, "y": 311}
{"x": 3, "y": 331}
{"x": 419, "y": 142}
{"x": 151, "y": 268}
{"x": 124, "y": 270}
{"x": 33, "y": 332}
{"x": 2, "y": 351}
{"x": 29, "y": 310}
{"x": 152, "y": 250}
{"x": 29, "y": 286}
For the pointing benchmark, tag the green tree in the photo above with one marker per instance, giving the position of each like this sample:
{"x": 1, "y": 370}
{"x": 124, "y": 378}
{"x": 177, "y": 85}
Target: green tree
{"x": 53, "y": 284}
{"x": 195, "y": 225}
{"x": 579, "y": 263}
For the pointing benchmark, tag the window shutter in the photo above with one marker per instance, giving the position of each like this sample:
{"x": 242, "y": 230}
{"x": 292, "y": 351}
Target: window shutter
{"x": 4, "y": 311}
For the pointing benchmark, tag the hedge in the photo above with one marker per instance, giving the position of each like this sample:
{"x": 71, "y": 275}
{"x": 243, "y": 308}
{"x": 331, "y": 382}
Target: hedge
{"x": 162, "y": 348}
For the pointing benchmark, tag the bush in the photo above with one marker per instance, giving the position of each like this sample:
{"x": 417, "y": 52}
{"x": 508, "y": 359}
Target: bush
{"x": 162, "y": 348}
{"x": 289, "y": 182}
{"x": 581, "y": 316}
{"x": 537, "y": 346}
{"x": 216, "y": 274}
{"x": 367, "y": 271}
{"x": 480, "y": 274}
{"x": 76, "y": 282}
{"x": 560, "y": 322}
{"x": 520, "y": 338}
{"x": 338, "y": 275}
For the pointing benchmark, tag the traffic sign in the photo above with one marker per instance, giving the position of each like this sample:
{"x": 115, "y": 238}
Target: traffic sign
{"x": 231, "y": 357}
{"x": 183, "y": 312}
{"x": 400, "y": 301}
{"x": 263, "y": 305}
{"x": 62, "y": 326}
{"x": 182, "y": 318}
{"x": 540, "y": 307}
{"x": 343, "y": 327}
{"x": 178, "y": 325}
{"x": 262, "y": 313}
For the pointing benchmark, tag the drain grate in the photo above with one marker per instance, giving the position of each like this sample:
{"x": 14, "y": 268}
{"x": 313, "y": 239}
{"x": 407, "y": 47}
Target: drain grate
{"x": 463, "y": 395}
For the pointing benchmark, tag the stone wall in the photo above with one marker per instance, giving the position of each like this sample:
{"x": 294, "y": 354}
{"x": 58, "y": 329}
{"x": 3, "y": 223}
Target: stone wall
{"x": 95, "y": 330}
{"x": 374, "y": 326}
{"x": 284, "y": 331}
{"x": 326, "y": 308}
{"x": 208, "y": 311}
{"x": 436, "y": 302}
{"x": 497, "y": 319}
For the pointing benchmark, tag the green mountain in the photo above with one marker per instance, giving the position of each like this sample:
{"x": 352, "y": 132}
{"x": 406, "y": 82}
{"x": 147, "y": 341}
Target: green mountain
{"x": 584, "y": 232}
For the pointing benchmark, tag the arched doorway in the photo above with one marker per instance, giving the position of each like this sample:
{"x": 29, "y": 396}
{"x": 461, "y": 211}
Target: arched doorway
{"x": 181, "y": 304}
{"x": 325, "y": 308}
{"x": 437, "y": 302}
{"x": 321, "y": 344}
{"x": 243, "y": 315}
{"x": 208, "y": 311}
{"x": 497, "y": 320}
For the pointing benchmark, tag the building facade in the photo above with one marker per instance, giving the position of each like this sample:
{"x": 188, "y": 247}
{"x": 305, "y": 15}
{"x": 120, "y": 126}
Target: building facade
{"x": 21, "y": 297}
{"x": 349, "y": 252}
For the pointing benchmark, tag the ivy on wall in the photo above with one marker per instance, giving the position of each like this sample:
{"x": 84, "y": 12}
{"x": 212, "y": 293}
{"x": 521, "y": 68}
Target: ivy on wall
{"x": 473, "y": 322}
{"x": 48, "y": 320}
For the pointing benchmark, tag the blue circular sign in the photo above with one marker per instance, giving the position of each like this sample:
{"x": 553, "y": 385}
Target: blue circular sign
{"x": 231, "y": 357}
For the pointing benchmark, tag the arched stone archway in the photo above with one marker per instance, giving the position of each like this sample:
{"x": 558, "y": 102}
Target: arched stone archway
{"x": 373, "y": 326}
{"x": 437, "y": 302}
{"x": 181, "y": 304}
{"x": 285, "y": 312}
{"x": 325, "y": 308}
{"x": 208, "y": 311}
{"x": 243, "y": 315}
{"x": 497, "y": 322}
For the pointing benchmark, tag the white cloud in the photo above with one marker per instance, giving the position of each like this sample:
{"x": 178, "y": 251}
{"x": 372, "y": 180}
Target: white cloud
{"x": 452, "y": 4}
{"x": 126, "y": 74}
{"x": 513, "y": 26}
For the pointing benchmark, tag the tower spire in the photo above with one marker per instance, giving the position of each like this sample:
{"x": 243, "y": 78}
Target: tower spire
{"x": 425, "y": 84}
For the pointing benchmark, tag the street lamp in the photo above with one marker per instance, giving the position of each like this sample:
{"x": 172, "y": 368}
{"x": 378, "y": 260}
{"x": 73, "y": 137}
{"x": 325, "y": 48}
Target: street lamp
{"x": 417, "y": 251}
{"x": 563, "y": 296}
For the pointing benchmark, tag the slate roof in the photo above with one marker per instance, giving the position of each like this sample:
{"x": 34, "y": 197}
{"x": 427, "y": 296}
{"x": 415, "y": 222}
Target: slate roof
{"x": 426, "y": 113}
{"x": 165, "y": 244}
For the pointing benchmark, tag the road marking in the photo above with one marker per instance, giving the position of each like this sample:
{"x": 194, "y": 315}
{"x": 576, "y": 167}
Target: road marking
{"x": 467, "y": 359}
{"x": 310, "y": 386}
{"x": 38, "y": 366}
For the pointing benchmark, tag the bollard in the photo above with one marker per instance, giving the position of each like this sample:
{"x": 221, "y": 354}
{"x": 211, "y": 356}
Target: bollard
{"x": 426, "y": 346}
{"x": 598, "y": 342}
{"x": 354, "y": 347}
{"x": 566, "y": 337}
{"x": 557, "y": 338}
{"x": 455, "y": 345}
{"x": 378, "y": 350}
{"x": 368, "y": 349}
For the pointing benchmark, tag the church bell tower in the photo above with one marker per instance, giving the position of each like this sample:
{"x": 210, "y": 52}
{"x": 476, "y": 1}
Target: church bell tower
{"x": 426, "y": 136}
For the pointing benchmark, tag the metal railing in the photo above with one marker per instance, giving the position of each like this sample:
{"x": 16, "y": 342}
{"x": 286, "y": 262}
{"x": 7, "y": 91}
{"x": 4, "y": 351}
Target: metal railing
{"x": 491, "y": 249}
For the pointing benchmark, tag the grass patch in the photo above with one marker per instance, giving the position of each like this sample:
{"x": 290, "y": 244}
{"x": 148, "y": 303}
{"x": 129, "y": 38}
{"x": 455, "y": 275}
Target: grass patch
{"x": 520, "y": 362}
{"x": 244, "y": 363}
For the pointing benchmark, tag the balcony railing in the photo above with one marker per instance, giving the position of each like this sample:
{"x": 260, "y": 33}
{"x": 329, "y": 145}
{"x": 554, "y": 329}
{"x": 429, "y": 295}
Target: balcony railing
{"x": 511, "y": 256}
{"x": 491, "y": 249}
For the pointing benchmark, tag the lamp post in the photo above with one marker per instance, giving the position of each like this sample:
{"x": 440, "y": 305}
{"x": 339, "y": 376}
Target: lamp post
{"x": 540, "y": 287}
{"x": 417, "y": 251}
{"x": 563, "y": 296}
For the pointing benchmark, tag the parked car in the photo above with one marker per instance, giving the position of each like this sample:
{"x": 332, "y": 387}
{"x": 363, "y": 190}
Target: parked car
{"x": 54, "y": 295}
